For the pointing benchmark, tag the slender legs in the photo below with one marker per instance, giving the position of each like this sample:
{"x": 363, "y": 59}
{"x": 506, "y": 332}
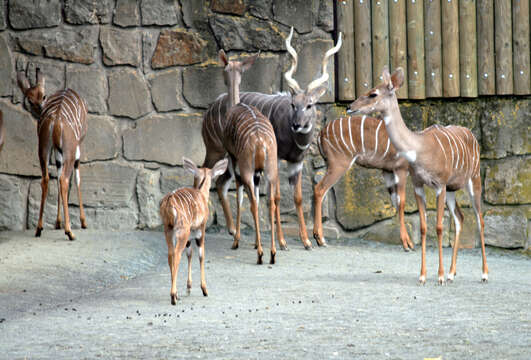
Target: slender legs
{"x": 458, "y": 221}
{"x": 474, "y": 192}
{"x": 440, "y": 215}
{"x": 174, "y": 256}
{"x": 82, "y": 217}
{"x": 297, "y": 198}
{"x": 401, "y": 175}
{"x": 421, "y": 204}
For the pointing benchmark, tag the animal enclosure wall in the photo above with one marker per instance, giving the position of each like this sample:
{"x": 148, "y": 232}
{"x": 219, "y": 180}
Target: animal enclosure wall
{"x": 148, "y": 70}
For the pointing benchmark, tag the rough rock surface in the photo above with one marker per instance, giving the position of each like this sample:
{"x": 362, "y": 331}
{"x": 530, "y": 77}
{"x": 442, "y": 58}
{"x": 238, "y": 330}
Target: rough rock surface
{"x": 166, "y": 90}
{"x": 178, "y": 47}
{"x": 509, "y": 182}
{"x": 102, "y": 141}
{"x": 91, "y": 84}
{"x": 13, "y": 192}
{"x": 156, "y": 12}
{"x": 121, "y": 47}
{"x": 126, "y": 13}
{"x": 25, "y": 14}
{"x": 88, "y": 11}
{"x": 136, "y": 101}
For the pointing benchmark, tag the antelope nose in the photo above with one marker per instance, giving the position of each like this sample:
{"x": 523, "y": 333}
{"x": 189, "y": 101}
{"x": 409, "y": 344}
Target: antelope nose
{"x": 295, "y": 127}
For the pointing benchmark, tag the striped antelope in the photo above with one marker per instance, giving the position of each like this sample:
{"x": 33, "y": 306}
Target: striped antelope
{"x": 249, "y": 139}
{"x": 360, "y": 140}
{"x": 62, "y": 126}
{"x": 185, "y": 210}
{"x": 444, "y": 158}
{"x": 293, "y": 118}
{"x": 1, "y": 130}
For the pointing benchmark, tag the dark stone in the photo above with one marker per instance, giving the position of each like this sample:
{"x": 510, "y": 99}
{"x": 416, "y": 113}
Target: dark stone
{"x": 160, "y": 12}
{"x": 296, "y": 13}
{"x": 325, "y": 19}
{"x": 174, "y": 178}
{"x": 102, "y": 141}
{"x": 53, "y": 71}
{"x": 506, "y": 227}
{"x": 120, "y": 47}
{"x": 166, "y": 89}
{"x": 91, "y": 84}
{"x": 195, "y": 14}
{"x": 13, "y": 197}
{"x": 262, "y": 9}
{"x": 24, "y": 14}
{"x": 250, "y": 34}
{"x": 264, "y": 76}
{"x": 137, "y": 102}
{"x": 236, "y": 7}
{"x": 88, "y": 11}
{"x": 178, "y": 47}
{"x": 508, "y": 181}
{"x": 194, "y": 81}
{"x": 7, "y": 68}
{"x": 126, "y": 13}
{"x": 2, "y": 16}
{"x": 66, "y": 44}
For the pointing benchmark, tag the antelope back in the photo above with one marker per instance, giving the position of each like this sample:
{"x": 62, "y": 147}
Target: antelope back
{"x": 185, "y": 207}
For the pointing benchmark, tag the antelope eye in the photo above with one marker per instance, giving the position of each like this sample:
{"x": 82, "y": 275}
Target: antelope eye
{"x": 309, "y": 106}
{"x": 373, "y": 95}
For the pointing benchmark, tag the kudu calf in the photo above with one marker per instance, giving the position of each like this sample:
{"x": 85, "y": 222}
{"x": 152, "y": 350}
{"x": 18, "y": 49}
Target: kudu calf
{"x": 293, "y": 118}
{"x": 185, "y": 210}
{"x": 444, "y": 158}
{"x": 61, "y": 127}
{"x": 249, "y": 139}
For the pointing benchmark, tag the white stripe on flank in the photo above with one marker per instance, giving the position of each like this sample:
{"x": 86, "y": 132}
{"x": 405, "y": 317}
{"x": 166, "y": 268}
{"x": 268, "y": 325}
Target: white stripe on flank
{"x": 350, "y": 135}
{"x": 387, "y": 149}
{"x": 442, "y": 147}
{"x": 341, "y": 133}
{"x": 376, "y": 139}
{"x": 361, "y": 131}
{"x": 450, "y": 145}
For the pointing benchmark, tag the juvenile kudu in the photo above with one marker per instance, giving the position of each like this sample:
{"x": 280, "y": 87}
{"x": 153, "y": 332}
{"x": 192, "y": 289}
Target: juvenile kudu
{"x": 249, "y": 139}
{"x": 293, "y": 118}
{"x": 61, "y": 128}
{"x": 185, "y": 210}
{"x": 444, "y": 158}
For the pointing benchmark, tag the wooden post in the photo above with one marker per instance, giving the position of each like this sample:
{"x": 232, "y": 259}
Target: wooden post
{"x": 397, "y": 40}
{"x": 346, "y": 80}
{"x": 362, "y": 46}
{"x": 504, "y": 47}
{"x": 380, "y": 39}
{"x": 468, "y": 48}
{"x": 450, "y": 45}
{"x": 433, "y": 43}
{"x": 521, "y": 61}
{"x": 486, "y": 69}
{"x": 415, "y": 50}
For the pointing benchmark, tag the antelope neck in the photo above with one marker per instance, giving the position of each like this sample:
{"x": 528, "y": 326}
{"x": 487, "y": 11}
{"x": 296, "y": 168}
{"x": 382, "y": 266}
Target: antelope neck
{"x": 403, "y": 139}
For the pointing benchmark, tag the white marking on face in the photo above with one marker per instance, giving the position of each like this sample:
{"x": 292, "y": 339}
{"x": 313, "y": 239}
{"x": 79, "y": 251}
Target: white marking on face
{"x": 305, "y": 130}
{"x": 410, "y": 155}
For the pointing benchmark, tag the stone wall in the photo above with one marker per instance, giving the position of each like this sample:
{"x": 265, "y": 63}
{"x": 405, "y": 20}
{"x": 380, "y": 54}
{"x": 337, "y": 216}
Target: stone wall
{"x": 148, "y": 69}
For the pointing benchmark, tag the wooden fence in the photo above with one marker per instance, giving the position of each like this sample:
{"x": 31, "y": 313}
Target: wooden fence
{"x": 447, "y": 48}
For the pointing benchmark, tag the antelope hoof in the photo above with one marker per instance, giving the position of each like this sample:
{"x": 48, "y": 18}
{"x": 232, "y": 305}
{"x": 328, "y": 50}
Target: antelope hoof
{"x": 205, "y": 292}
{"x": 83, "y": 224}
{"x": 307, "y": 245}
{"x": 234, "y": 245}
{"x": 260, "y": 262}
{"x": 174, "y": 299}
{"x": 188, "y": 290}
{"x": 38, "y": 232}
{"x": 231, "y": 231}
{"x": 283, "y": 245}
{"x": 450, "y": 278}
{"x": 485, "y": 278}
{"x": 71, "y": 236}
{"x": 441, "y": 281}
{"x": 272, "y": 260}
{"x": 422, "y": 280}
{"x": 57, "y": 224}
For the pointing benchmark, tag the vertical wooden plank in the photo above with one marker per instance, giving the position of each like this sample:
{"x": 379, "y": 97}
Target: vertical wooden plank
{"x": 485, "y": 31}
{"x": 468, "y": 48}
{"x": 362, "y": 45}
{"x": 397, "y": 40}
{"x": 450, "y": 47}
{"x": 415, "y": 49}
{"x": 346, "y": 80}
{"x": 521, "y": 55}
{"x": 504, "y": 46}
{"x": 380, "y": 39}
{"x": 432, "y": 44}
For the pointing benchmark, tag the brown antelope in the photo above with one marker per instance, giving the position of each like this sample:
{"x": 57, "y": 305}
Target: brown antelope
{"x": 1, "y": 130}
{"x": 62, "y": 126}
{"x": 293, "y": 118}
{"x": 360, "y": 140}
{"x": 444, "y": 158}
{"x": 249, "y": 139}
{"x": 185, "y": 210}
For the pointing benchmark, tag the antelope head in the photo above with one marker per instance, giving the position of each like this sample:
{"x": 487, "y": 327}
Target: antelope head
{"x": 303, "y": 101}
{"x": 204, "y": 176}
{"x": 34, "y": 95}
{"x": 232, "y": 73}
{"x": 379, "y": 98}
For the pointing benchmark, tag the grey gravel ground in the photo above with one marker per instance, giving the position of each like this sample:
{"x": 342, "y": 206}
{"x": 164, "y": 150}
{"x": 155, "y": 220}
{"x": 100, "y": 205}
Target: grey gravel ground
{"x": 106, "y": 295}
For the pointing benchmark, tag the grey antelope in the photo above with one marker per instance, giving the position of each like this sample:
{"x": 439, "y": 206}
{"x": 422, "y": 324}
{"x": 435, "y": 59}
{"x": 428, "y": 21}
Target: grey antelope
{"x": 364, "y": 141}
{"x": 444, "y": 158}
{"x": 1, "y": 130}
{"x": 62, "y": 126}
{"x": 249, "y": 139}
{"x": 185, "y": 210}
{"x": 293, "y": 118}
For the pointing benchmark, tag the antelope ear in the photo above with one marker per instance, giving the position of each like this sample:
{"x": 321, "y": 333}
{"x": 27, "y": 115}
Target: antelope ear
{"x": 316, "y": 93}
{"x": 386, "y": 76}
{"x": 248, "y": 62}
{"x": 190, "y": 166}
{"x": 23, "y": 82}
{"x": 40, "y": 78}
{"x": 223, "y": 57}
{"x": 219, "y": 168}
{"x": 397, "y": 79}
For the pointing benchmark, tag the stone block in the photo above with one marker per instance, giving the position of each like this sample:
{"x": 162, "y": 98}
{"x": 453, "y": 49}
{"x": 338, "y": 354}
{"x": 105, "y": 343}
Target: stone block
{"x": 91, "y": 84}
{"x": 235, "y": 7}
{"x": 195, "y": 14}
{"x": 126, "y": 13}
{"x": 53, "y": 71}
{"x": 149, "y": 196}
{"x": 506, "y": 227}
{"x": 388, "y": 231}
{"x": 19, "y": 154}
{"x": 264, "y": 76}
{"x": 178, "y": 47}
{"x": 120, "y": 47}
{"x": 262, "y": 9}
{"x": 13, "y": 197}
{"x": 7, "y": 68}
{"x": 2, "y": 15}
{"x": 465, "y": 113}
{"x": 157, "y": 12}
{"x": 174, "y": 178}
{"x": 88, "y": 11}
{"x": 74, "y": 45}
{"x": 508, "y": 181}
{"x": 102, "y": 141}
{"x": 149, "y": 42}
{"x": 248, "y": 34}
{"x": 166, "y": 90}
{"x": 506, "y": 128}
{"x": 311, "y": 54}
{"x": 325, "y": 19}
{"x": 179, "y": 135}
{"x": 202, "y": 85}
{"x": 128, "y": 94}
{"x": 25, "y": 14}
{"x": 296, "y": 13}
